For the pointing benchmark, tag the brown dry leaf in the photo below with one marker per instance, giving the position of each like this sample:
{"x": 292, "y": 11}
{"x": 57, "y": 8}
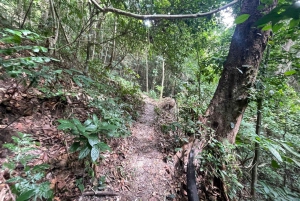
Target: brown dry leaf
{"x": 53, "y": 183}
{"x": 56, "y": 198}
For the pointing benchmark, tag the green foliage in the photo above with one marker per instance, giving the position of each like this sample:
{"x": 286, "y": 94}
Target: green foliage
{"x": 279, "y": 163}
{"x": 115, "y": 112}
{"x": 282, "y": 12}
{"x": 242, "y": 18}
{"x": 29, "y": 68}
{"x": 31, "y": 184}
{"x": 275, "y": 193}
{"x": 220, "y": 159}
{"x": 79, "y": 184}
{"x": 88, "y": 136}
{"x": 152, "y": 94}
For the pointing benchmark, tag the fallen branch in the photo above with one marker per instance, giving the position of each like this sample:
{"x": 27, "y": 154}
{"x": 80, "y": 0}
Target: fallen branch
{"x": 99, "y": 193}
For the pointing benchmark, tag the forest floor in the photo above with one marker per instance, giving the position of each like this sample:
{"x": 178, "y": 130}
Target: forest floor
{"x": 139, "y": 167}
{"x": 142, "y": 162}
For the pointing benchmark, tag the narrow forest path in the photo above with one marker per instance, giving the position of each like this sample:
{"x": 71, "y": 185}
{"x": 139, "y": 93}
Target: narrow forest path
{"x": 146, "y": 174}
{"x": 139, "y": 167}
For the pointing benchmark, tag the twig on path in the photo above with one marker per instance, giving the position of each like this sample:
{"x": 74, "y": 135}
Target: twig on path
{"x": 99, "y": 193}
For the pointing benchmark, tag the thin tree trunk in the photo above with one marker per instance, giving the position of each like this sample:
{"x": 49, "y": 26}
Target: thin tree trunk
{"x": 44, "y": 17}
{"x": 89, "y": 46}
{"x": 52, "y": 42}
{"x": 60, "y": 24}
{"x": 257, "y": 151}
{"x": 147, "y": 67}
{"x": 162, "y": 79}
{"x": 199, "y": 76}
{"x": 27, "y": 13}
{"x": 147, "y": 73}
{"x": 112, "y": 55}
{"x": 18, "y": 12}
{"x": 285, "y": 169}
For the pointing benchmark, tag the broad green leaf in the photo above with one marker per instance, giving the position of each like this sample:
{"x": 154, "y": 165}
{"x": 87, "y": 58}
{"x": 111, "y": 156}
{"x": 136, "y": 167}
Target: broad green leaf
{"x": 26, "y": 195}
{"x": 290, "y": 150}
{"x": 293, "y": 23}
{"x": 10, "y": 165}
{"x": 277, "y": 26}
{"x": 12, "y": 39}
{"x": 95, "y": 120}
{"x": 242, "y": 18}
{"x": 103, "y": 146}
{"x": 87, "y": 122}
{"x": 8, "y": 51}
{"x": 275, "y": 153}
{"x": 74, "y": 147}
{"x": 95, "y": 153}
{"x": 93, "y": 139}
{"x": 80, "y": 127}
{"x": 43, "y": 49}
{"x": 38, "y": 59}
{"x": 290, "y": 72}
{"x": 108, "y": 127}
{"x": 35, "y": 49}
{"x": 274, "y": 164}
{"x": 84, "y": 152}
{"x": 26, "y": 32}
{"x": 266, "y": 189}
{"x": 65, "y": 124}
{"x": 76, "y": 80}
{"x": 58, "y": 71}
{"x": 267, "y": 27}
{"x": 47, "y": 59}
{"x": 41, "y": 167}
{"x": 274, "y": 16}
{"x": 68, "y": 71}
{"x": 296, "y": 162}
{"x": 91, "y": 128}
{"x": 14, "y": 32}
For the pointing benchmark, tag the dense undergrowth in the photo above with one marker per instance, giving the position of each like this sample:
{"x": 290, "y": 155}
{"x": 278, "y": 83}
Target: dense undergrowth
{"x": 114, "y": 104}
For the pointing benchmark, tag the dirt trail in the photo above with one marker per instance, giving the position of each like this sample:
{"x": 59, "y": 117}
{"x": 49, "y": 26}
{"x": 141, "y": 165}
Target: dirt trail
{"x": 139, "y": 167}
{"x": 150, "y": 175}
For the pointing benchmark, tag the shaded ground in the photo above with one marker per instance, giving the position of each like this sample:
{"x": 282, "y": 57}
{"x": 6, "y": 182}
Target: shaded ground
{"x": 147, "y": 174}
{"x": 139, "y": 167}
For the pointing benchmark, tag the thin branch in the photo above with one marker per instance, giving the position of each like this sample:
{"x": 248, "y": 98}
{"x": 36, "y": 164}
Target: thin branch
{"x": 57, "y": 16}
{"x": 26, "y": 14}
{"x": 89, "y": 22}
{"x": 160, "y": 16}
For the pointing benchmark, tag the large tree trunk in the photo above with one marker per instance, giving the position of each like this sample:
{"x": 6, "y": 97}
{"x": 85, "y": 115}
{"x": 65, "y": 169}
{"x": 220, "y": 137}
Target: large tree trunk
{"x": 230, "y": 100}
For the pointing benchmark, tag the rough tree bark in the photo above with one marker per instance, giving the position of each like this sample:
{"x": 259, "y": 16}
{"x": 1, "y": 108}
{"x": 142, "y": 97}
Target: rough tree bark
{"x": 230, "y": 100}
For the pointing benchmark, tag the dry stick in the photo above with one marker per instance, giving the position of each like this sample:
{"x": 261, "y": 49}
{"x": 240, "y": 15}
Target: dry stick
{"x": 99, "y": 193}
{"x": 26, "y": 14}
